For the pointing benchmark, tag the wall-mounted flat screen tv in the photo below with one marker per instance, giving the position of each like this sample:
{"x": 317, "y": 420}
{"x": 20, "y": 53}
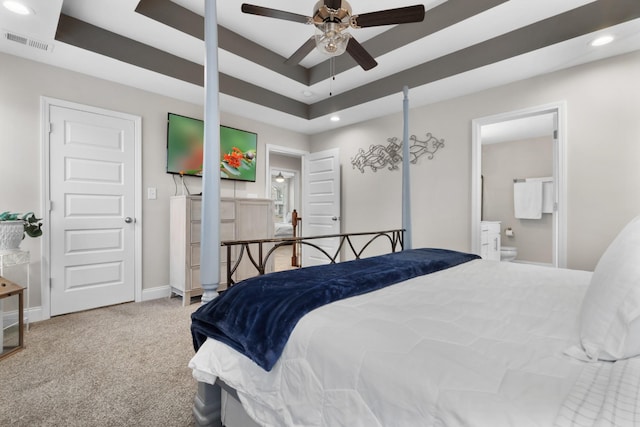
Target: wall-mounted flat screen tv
{"x": 185, "y": 147}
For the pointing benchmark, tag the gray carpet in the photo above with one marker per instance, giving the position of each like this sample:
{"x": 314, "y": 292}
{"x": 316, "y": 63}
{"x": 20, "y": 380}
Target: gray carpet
{"x": 124, "y": 365}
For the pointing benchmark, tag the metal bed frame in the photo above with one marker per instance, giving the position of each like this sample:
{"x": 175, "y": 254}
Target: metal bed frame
{"x": 207, "y": 407}
{"x": 267, "y": 247}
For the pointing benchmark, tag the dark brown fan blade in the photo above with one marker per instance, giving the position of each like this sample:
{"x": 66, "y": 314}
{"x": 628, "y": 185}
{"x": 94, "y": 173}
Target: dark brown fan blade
{"x": 401, "y": 15}
{"x": 302, "y": 52}
{"x": 362, "y": 57}
{"x": 333, "y": 4}
{"x": 274, "y": 13}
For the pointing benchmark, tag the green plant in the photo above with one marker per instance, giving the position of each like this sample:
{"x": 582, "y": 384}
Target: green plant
{"x": 32, "y": 224}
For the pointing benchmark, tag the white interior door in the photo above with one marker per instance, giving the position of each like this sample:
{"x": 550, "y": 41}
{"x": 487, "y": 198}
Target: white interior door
{"x": 92, "y": 218}
{"x": 321, "y": 212}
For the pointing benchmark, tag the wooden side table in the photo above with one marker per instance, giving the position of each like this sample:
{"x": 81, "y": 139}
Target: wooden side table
{"x": 10, "y": 289}
{"x": 9, "y": 260}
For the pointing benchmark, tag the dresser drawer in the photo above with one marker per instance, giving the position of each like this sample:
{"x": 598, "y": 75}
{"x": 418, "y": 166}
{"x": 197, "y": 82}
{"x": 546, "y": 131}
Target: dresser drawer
{"x": 195, "y": 255}
{"x": 196, "y": 209}
{"x": 194, "y": 232}
{"x": 194, "y": 279}
{"x": 227, "y": 210}
{"x": 227, "y": 231}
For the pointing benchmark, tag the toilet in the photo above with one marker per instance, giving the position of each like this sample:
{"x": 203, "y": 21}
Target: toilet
{"x": 508, "y": 253}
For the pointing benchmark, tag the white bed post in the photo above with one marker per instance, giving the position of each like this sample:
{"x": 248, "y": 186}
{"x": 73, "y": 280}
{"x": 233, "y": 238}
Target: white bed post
{"x": 406, "y": 178}
{"x": 210, "y": 229}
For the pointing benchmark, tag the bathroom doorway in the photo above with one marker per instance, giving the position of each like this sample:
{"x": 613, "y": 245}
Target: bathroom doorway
{"x": 514, "y": 151}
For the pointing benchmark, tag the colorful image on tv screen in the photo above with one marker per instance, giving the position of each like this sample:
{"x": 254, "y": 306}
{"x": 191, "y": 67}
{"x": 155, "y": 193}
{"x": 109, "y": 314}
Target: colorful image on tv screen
{"x": 185, "y": 146}
{"x": 237, "y": 154}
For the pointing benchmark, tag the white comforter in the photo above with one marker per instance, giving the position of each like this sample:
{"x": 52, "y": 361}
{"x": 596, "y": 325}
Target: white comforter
{"x": 480, "y": 344}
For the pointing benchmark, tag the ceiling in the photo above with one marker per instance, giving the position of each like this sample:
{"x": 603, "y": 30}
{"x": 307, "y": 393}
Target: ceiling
{"x": 461, "y": 47}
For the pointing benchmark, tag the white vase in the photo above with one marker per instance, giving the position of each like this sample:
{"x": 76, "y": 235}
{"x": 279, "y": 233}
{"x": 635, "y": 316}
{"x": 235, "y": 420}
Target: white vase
{"x": 11, "y": 233}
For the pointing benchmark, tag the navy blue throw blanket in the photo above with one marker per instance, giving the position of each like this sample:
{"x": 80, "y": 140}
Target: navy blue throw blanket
{"x": 256, "y": 316}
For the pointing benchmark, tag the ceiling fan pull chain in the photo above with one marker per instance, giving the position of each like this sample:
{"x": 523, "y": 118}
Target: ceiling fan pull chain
{"x": 332, "y": 74}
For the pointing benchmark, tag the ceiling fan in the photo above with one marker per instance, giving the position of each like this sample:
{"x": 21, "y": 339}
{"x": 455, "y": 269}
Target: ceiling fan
{"x": 332, "y": 18}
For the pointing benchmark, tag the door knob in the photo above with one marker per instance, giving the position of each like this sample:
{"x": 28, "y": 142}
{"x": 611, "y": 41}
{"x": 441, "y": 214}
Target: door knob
{"x": 335, "y": 218}
{"x": 128, "y": 220}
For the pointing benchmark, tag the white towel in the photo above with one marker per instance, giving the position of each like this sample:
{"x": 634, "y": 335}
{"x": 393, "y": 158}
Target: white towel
{"x": 547, "y": 197}
{"x": 547, "y": 193}
{"x": 527, "y": 199}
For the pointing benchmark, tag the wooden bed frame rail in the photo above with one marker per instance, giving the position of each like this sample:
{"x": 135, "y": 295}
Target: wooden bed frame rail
{"x": 259, "y": 260}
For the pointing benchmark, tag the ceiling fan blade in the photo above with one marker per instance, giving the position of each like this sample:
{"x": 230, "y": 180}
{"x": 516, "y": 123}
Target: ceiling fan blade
{"x": 361, "y": 56}
{"x": 302, "y": 52}
{"x": 333, "y": 4}
{"x": 401, "y": 15}
{"x": 274, "y": 13}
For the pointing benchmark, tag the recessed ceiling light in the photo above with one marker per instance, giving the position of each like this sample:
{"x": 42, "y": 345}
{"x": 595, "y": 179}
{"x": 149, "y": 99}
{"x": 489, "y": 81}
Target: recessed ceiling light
{"x": 602, "y": 40}
{"x": 307, "y": 93}
{"x": 17, "y": 7}
{"x": 335, "y": 118}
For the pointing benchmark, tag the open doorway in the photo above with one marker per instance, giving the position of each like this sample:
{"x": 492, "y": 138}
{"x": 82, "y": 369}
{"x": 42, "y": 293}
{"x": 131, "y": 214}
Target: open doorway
{"x": 285, "y": 193}
{"x": 512, "y": 151}
{"x": 284, "y": 187}
{"x": 319, "y": 203}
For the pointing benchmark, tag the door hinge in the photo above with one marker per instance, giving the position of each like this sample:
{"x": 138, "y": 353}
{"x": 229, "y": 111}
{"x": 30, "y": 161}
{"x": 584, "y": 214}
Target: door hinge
{"x": 50, "y": 205}
{"x": 50, "y": 127}
{"x": 555, "y": 134}
{"x": 50, "y": 283}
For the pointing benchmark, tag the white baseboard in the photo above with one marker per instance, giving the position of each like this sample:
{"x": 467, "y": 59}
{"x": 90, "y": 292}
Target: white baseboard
{"x": 156, "y": 293}
{"x": 34, "y": 314}
{"x": 9, "y": 318}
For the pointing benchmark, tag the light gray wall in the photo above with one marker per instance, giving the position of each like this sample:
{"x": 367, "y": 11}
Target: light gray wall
{"x": 603, "y": 153}
{"x": 23, "y": 82}
{"x": 603, "y": 100}
{"x": 501, "y": 164}
{"x": 285, "y": 162}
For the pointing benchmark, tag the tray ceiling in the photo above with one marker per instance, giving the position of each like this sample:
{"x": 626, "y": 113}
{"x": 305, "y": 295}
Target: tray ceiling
{"x": 462, "y": 46}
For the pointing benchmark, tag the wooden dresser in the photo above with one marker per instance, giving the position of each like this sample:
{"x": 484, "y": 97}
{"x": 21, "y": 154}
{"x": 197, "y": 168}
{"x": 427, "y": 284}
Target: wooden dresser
{"x": 240, "y": 219}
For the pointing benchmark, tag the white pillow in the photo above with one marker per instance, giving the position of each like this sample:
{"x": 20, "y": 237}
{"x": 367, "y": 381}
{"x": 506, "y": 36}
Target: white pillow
{"x": 610, "y": 314}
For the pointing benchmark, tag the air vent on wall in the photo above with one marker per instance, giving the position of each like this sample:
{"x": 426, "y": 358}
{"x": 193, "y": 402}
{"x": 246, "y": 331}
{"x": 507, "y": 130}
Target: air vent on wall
{"x": 37, "y": 44}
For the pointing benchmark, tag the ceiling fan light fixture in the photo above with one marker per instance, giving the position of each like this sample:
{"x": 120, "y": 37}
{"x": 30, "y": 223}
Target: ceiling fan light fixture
{"x": 332, "y": 19}
{"x": 331, "y": 39}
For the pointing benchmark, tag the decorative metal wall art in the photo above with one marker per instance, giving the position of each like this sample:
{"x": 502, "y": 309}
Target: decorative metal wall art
{"x": 379, "y": 156}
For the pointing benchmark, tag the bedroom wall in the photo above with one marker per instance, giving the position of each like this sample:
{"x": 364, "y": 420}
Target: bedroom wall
{"x": 285, "y": 162}
{"x": 23, "y": 82}
{"x": 501, "y": 164}
{"x": 603, "y": 153}
{"x": 603, "y": 100}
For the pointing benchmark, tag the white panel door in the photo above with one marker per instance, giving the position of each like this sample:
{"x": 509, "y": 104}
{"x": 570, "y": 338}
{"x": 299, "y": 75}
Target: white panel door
{"x": 321, "y": 213}
{"x": 92, "y": 188}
